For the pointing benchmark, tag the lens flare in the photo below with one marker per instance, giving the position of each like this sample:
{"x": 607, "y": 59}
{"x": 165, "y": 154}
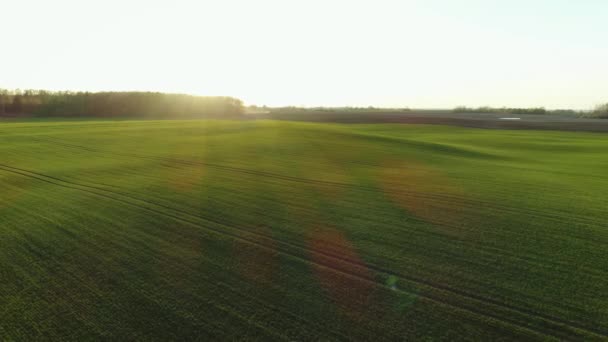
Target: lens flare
{"x": 340, "y": 271}
{"x": 182, "y": 177}
{"x": 426, "y": 193}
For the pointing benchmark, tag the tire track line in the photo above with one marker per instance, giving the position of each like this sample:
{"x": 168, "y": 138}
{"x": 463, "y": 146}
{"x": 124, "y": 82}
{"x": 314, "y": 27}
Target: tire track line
{"x": 375, "y": 268}
{"x": 183, "y": 212}
{"x": 554, "y": 325}
{"x": 472, "y": 203}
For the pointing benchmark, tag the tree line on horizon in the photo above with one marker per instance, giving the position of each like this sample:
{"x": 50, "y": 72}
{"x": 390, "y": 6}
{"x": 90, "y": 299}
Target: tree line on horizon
{"x": 536, "y": 110}
{"x": 600, "y": 111}
{"x": 42, "y": 103}
{"x": 345, "y": 109}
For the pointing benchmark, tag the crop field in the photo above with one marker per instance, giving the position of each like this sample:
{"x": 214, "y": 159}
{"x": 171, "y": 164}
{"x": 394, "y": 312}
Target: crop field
{"x": 277, "y": 230}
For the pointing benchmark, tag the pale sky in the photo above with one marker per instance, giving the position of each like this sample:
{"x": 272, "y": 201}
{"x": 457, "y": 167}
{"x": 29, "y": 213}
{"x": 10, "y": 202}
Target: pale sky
{"x": 416, "y": 53}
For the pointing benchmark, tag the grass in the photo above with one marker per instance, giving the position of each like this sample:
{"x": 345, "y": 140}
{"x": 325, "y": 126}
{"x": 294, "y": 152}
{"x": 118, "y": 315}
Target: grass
{"x": 269, "y": 230}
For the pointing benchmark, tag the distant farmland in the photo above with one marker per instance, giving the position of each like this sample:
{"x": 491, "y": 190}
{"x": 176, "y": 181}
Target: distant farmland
{"x": 277, "y": 230}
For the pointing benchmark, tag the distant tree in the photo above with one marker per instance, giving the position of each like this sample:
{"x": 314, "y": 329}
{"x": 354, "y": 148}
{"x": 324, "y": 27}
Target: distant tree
{"x": 601, "y": 111}
{"x": 4, "y": 100}
{"x": 563, "y": 111}
{"x": 461, "y": 109}
{"x": 17, "y": 105}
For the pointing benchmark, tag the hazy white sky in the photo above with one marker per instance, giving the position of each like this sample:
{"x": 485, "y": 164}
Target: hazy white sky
{"x": 417, "y": 53}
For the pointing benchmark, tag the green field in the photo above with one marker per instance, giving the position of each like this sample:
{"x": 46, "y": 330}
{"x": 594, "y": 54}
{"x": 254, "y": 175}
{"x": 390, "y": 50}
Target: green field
{"x": 263, "y": 230}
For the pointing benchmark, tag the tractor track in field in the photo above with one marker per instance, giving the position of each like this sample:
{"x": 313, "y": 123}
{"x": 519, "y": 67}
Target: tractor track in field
{"x": 432, "y": 197}
{"x": 232, "y": 313}
{"x": 217, "y": 304}
{"x": 551, "y": 326}
{"x": 228, "y": 308}
{"x": 475, "y": 203}
{"x": 439, "y": 198}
